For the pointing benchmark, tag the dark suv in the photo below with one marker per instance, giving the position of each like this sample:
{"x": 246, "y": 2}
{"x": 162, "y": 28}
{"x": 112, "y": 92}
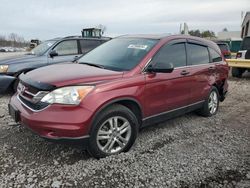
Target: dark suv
{"x": 49, "y": 52}
{"x": 243, "y": 53}
{"x": 123, "y": 85}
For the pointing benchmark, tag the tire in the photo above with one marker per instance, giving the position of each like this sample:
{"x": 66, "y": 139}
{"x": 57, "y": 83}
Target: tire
{"x": 210, "y": 103}
{"x": 109, "y": 126}
{"x": 237, "y": 72}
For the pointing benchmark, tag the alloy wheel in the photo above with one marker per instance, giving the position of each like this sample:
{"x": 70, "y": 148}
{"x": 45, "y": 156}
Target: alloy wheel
{"x": 213, "y": 102}
{"x": 113, "y": 135}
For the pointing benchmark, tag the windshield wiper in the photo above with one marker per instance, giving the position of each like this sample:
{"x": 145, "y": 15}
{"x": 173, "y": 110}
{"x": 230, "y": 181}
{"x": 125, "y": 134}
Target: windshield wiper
{"x": 94, "y": 65}
{"x": 29, "y": 53}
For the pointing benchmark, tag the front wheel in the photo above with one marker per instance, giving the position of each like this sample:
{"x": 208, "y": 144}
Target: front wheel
{"x": 114, "y": 131}
{"x": 211, "y": 104}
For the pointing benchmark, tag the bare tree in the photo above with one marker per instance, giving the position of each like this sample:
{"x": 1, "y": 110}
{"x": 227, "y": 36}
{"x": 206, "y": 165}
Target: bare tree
{"x": 13, "y": 40}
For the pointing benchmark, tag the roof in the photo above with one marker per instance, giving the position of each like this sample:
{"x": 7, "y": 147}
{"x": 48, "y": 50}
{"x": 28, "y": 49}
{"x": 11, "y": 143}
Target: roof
{"x": 146, "y": 36}
{"x": 91, "y": 28}
{"x": 80, "y": 37}
{"x": 224, "y": 35}
{"x": 170, "y": 37}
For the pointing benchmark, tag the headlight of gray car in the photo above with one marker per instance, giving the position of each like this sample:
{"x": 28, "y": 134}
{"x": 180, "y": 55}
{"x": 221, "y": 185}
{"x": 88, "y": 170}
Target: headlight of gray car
{"x": 3, "y": 68}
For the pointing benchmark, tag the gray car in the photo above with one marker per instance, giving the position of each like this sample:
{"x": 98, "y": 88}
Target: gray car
{"x": 50, "y": 52}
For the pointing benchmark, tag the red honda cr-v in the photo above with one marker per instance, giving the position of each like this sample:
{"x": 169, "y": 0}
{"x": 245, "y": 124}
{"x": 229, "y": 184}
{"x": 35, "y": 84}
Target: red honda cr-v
{"x": 119, "y": 87}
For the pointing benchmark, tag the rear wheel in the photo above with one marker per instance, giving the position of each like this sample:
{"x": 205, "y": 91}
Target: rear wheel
{"x": 114, "y": 131}
{"x": 211, "y": 104}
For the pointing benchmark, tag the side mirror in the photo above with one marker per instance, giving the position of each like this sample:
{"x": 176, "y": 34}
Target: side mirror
{"x": 161, "y": 67}
{"x": 53, "y": 53}
{"x": 76, "y": 58}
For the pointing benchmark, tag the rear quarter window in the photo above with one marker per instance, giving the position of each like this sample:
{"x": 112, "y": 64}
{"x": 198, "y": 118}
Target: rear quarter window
{"x": 215, "y": 56}
{"x": 197, "y": 54}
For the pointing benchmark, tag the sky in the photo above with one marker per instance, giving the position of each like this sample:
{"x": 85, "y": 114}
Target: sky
{"x": 46, "y": 19}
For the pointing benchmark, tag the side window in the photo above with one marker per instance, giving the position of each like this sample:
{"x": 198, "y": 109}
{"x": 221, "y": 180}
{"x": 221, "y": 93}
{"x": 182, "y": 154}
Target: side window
{"x": 87, "y": 45}
{"x": 215, "y": 56}
{"x": 197, "y": 54}
{"x": 68, "y": 47}
{"x": 175, "y": 54}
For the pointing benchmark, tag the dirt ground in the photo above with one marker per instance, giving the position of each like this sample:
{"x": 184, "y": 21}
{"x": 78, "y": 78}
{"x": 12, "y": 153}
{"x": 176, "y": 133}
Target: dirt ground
{"x": 188, "y": 151}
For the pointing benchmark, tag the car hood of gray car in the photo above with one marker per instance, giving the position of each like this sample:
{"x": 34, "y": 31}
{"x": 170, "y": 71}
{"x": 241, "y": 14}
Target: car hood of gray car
{"x": 19, "y": 59}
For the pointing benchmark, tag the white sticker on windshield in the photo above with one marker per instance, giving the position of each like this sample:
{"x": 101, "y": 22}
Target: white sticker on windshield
{"x": 49, "y": 44}
{"x": 138, "y": 46}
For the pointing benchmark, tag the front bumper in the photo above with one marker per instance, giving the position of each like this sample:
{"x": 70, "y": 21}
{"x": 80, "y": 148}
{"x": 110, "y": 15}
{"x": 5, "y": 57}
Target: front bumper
{"x": 6, "y": 82}
{"x": 59, "y": 123}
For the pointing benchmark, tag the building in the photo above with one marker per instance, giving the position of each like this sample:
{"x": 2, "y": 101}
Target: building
{"x": 245, "y": 30}
{"x": 227, "y": 35}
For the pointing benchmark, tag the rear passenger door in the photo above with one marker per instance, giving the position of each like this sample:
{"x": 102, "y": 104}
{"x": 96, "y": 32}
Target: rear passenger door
{"x": 88, "y": 45}
{"x": 201, "y": 71}
{"x": 67, "y": 51}
{"x": 165, "y": 92}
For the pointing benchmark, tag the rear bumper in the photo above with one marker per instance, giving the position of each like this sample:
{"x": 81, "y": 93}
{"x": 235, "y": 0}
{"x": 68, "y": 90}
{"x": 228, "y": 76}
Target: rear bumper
{"x": 6, "y": 82}
{"x": 57, "y": 123}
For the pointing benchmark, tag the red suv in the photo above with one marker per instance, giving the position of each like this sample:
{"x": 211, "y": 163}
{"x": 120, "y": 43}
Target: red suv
{"x": 119, "y": 87}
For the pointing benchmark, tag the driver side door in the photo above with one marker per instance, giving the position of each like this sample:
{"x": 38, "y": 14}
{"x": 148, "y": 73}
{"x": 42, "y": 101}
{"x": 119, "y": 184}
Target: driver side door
{"x": 167, "y": 92}
{"x": 66, "y": 51}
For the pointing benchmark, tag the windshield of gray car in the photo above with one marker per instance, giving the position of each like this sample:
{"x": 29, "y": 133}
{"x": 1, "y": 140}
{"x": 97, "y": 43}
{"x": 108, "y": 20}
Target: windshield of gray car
{"x": 43, "y": 47}
{"x": 120, "y": 54}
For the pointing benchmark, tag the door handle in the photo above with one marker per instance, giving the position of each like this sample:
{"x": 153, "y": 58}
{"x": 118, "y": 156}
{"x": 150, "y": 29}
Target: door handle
{"x": 211, "y": 68}
{"x": 184, "y": 72}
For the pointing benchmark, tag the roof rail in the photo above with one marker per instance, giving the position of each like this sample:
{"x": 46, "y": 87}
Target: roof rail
{"x": 75, "y": 36}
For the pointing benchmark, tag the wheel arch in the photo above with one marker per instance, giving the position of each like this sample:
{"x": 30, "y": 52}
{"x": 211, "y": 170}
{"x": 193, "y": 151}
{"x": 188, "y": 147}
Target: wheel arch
{"x": 219, "y": 87}
{"x": 131, "y": 103}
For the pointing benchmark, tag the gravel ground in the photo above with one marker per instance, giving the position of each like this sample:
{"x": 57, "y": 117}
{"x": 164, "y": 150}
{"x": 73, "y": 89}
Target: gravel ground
{"x": 188, "y": 151}
{"x": 4, "y": 55}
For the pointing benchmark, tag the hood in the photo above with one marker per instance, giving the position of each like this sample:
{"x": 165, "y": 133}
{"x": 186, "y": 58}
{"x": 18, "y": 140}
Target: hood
{"x": 70, "y": 74}
{"x": 18, "y": 59}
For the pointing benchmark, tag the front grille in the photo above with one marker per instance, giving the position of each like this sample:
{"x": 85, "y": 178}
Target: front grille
{"x": 30, "y": 88}
{"x": 33, "y": 106}
{"x": 31, "y": 97}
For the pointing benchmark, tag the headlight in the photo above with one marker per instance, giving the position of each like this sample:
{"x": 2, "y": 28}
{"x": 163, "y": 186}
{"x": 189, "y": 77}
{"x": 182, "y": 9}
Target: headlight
{"x": 3, "y": 68}
{"x": 67, "y": 95}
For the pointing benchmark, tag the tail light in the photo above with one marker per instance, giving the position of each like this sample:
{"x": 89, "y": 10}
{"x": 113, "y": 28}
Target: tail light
{"x": 238, "y": 55}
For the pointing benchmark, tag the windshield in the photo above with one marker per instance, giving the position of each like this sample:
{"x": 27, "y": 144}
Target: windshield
{"x": 223, "y": 47}
{"x": 120, "y": 54}
{"x": 42, "y": 48}
{"x": 245, "y": 45}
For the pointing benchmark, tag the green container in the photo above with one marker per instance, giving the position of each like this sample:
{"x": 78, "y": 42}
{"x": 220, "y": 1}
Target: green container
{"x": 235, "y": 45}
